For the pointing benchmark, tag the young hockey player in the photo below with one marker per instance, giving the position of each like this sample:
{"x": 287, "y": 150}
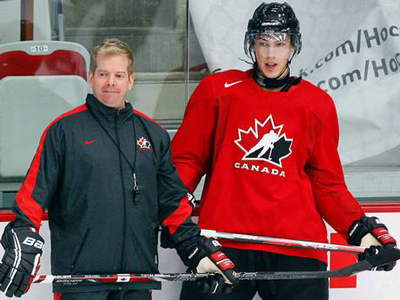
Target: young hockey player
{"x": 267, "y": 143}
{"x": 105, "y": 174}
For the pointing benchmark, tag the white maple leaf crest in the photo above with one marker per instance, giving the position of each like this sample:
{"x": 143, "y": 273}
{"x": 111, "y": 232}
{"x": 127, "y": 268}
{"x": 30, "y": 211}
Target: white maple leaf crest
{"x": 265, "y": 142}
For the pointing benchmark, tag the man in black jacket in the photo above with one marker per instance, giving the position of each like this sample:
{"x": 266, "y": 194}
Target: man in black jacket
{"x": 105, "y": 174}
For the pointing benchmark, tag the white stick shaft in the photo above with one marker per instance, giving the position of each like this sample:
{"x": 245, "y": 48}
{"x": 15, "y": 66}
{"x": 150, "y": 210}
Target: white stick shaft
{"x": 281, "y": 242}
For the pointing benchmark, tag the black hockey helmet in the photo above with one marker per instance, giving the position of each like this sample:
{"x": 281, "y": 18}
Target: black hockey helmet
{"x": 272, "y": 18}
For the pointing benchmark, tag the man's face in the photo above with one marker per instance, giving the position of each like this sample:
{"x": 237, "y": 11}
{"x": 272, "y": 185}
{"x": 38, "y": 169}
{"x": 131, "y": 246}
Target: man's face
{"x": 272, "y": 52}
{"x": 111, "y": 81}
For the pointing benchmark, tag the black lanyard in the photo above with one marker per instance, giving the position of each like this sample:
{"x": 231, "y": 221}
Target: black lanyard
{"x": 133, "y": 167}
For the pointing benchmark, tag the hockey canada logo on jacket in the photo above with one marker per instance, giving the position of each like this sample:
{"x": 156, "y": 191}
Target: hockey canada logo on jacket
{"x": 143, "y": 144}
{"x": 264, "y": 142}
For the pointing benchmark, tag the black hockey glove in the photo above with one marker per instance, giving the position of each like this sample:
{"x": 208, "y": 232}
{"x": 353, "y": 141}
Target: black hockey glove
{"x": 208, "y": 257}
{"x": 21, "y": 260}
{"x": 368, "y": 232}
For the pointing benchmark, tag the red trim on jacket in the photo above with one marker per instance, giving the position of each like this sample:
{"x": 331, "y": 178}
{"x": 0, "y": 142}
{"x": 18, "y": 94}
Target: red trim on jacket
{"x": 145, "y": 116}
{"x": 178, "y": 216}
{"x": 24, "y": 200}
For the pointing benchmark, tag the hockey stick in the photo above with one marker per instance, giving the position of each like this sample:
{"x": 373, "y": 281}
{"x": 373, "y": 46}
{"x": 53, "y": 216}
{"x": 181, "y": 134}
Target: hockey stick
{"x": 369, "y": 263}
{"x": 281, "y": 242}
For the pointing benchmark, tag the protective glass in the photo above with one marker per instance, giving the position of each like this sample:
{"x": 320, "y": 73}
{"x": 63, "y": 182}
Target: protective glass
{"x": 274, "y": 45}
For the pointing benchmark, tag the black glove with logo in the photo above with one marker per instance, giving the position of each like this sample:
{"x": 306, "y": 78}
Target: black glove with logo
{"x": 208, "y": 257}
{"x": 369, "y": 232}
{"x": 23, "y": 248}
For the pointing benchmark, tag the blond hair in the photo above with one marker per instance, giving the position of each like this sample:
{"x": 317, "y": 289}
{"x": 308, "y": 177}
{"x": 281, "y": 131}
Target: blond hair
{"x": 111, "y": 47}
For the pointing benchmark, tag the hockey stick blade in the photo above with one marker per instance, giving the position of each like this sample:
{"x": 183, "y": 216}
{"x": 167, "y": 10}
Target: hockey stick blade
{"x": 388, "y": 256}
{"x": 370, "y": 263}
{"x": 247, "y": 238}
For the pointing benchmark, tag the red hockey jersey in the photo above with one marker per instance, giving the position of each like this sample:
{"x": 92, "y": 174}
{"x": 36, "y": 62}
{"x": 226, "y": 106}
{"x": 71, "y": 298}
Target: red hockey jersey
{"x": 270, "y": 160}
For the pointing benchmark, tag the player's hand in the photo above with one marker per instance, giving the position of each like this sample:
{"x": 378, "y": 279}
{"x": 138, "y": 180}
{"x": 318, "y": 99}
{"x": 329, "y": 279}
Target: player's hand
{"x": 375, "y": 250}
{"x": 208, "y": 257}
{"x": 370, "y": 233}
{"x": 20, "y": 263}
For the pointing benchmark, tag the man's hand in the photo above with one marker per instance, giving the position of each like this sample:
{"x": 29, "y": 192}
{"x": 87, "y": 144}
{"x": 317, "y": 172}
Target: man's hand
{"x": 208, "y": 257}
{"x": 369, "y": 232}
{"x": 20, "y": 263}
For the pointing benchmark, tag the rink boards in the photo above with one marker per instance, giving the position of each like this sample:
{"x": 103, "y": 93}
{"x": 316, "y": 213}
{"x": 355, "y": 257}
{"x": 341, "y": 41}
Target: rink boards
{"x": 366, "y": 285}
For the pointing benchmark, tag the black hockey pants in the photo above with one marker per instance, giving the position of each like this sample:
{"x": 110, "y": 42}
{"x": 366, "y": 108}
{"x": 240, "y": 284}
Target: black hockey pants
{"x": 258, "y": 261}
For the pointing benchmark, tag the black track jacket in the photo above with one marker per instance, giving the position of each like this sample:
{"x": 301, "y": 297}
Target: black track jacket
{"x": 83, "y": 174}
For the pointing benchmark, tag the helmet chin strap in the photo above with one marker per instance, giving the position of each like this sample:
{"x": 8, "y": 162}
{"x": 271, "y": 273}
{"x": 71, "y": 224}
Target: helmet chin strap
{"x": 270, "y": 83}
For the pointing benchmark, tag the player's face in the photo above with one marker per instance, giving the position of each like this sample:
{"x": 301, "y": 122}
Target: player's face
{"x": 111, "y": 80}
{"x": 273, "y": 53}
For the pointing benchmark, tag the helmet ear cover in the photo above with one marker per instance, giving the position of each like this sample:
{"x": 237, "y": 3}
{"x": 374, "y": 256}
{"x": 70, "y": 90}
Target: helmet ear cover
{"x": 272, "y": 19}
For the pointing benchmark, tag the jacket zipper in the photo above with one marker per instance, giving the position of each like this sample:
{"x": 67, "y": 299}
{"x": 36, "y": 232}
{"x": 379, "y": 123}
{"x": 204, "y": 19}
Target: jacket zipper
{"x": 122, "y": 264}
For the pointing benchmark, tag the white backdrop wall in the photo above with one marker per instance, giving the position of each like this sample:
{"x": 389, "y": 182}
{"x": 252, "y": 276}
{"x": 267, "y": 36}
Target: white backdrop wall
{"x": 351, "y": 49}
